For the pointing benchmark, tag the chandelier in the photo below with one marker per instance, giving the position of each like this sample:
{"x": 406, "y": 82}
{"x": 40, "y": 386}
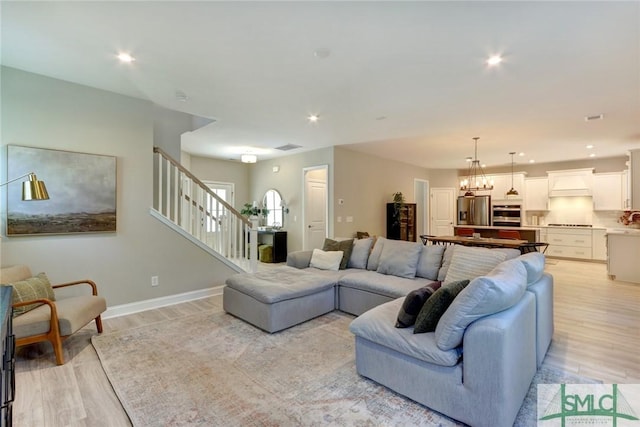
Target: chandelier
{"x": 476, "y": 179}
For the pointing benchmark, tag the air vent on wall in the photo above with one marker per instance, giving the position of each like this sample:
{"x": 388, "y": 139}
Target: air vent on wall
{"x": 288, "y": 147}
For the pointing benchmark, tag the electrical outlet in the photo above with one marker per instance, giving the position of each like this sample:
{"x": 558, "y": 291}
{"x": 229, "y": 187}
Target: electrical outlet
{"x": 154, "y": 281}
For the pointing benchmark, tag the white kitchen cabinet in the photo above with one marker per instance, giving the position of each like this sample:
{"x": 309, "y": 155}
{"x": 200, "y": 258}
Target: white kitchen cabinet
{"x": 622, "y": 261}
{"x": 599, "y": 244}
{"x": 502, "y": 184}
{"x": 626, "y": 194}
{"x": 569, "y": 243}
{"x": 608, "y": 191}
{"x": 536, "y": 194}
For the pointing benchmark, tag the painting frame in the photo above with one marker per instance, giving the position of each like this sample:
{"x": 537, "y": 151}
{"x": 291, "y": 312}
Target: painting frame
{"x": 82, "y": 191}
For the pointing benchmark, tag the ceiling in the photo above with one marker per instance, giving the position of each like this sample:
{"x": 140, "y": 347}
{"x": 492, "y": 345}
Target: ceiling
{"x": 402, "y": 80}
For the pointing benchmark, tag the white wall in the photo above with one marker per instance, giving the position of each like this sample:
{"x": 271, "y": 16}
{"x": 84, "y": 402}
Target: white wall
{"x": 43, "y": 112}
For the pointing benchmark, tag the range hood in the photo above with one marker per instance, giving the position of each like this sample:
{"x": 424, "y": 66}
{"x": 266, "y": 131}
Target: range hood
{"x": 575, "y": 183}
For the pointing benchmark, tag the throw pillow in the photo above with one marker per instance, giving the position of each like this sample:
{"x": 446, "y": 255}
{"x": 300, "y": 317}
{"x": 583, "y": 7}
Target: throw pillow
{"x": 374, "y": 258}
{"x": 470, "y": 262}
{"x": 430, "y": 261}
{"x": 412, "y": 304}
{"x": 485, "y": 295}
{"x": 361, "y": 234}
{"x": 360, "y": 253}
{"x": 37, "y": 287}
{"x": 346, "y": 246}
{"x": 326, "y": 260}
{"x": 400, "y": 258}
{"x": 434, "y": 308}
{"x": 534, "y": 263}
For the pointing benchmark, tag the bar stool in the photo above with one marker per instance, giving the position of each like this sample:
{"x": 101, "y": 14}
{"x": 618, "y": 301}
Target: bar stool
{"x": 466, "y": 232}
{"x": 509, "y": 234}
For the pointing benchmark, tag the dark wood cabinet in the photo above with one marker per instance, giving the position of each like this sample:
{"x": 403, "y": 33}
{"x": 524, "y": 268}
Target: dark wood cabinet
{"x": 277, "y": 239}
{"x": 401, "y": 223}
{"x": 7, "y": 370}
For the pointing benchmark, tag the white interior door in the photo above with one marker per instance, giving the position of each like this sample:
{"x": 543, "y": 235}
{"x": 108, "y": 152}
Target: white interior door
{"x": 442, "y": 211}
{"x": 315, "y": 207}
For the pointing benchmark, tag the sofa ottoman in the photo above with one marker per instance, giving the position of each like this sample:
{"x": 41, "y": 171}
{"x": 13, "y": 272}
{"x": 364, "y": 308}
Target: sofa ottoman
{"x": 279, "y": 297}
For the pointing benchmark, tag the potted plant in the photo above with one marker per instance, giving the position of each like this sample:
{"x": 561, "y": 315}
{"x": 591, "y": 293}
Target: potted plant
{"x": 249, "y": 210}
{"x": 398, "y": 204}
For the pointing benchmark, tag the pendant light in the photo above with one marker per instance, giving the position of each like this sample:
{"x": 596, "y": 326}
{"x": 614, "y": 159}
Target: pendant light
{"x": 512, "y": 192}
{"x": 476, "y": 179}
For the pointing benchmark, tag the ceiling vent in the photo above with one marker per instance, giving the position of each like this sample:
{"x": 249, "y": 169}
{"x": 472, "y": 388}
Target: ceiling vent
{"x": 288, "y": 147}
{"x": 594, "y": 117}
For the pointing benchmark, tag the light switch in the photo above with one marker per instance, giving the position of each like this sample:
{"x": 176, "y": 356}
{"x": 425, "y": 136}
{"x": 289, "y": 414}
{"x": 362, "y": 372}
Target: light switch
{"x": 339, "y": 219}
{"x": 349, "y": 219}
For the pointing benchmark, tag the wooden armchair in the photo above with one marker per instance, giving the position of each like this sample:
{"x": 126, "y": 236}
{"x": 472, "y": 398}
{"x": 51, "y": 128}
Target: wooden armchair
{"x": 54, "y": 321}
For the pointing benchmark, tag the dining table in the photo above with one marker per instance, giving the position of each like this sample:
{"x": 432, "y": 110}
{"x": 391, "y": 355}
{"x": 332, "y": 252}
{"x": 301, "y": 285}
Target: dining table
{"x": 488, "y": 242}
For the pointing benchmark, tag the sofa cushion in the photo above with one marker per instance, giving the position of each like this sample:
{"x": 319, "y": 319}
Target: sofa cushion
{"x": 374, "y": 258}
{"x": 37, "y": 287}
{"x": 400, "y": 258}
{"x": 534, "y": 264}
{"x": 446, "y": 261}
{"x": 326, "y": 260}
{"x": 412, "y": 304}
{"x": 470, "y": 262}
{"x": 485, "y": 295}
{"x": 435, "y": 307}
{"x": 377, "y": 325}
{"x": 360, "y": 253}
{"x": 346, "y": 246}
{"x": 280, "y": 283}
{"x": 382, "y": 284}
{"x": 430, "y": 261}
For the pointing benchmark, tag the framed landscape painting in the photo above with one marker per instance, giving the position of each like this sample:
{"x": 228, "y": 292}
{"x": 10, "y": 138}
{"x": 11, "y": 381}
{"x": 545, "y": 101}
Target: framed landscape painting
{"x": 81, "y": 187}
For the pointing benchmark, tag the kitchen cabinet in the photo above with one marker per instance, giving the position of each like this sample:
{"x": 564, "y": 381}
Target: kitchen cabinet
{"x": 634, "y": 179}
{"x": 608, "y": 191}
{"x": 622, "y": 260}
{"x": 536, "y": 194}
{"x": 569, "y": 243}
{"x": 502, "y": 184}
{"x": 626, "y": 194}
{"x": 599, "y": 244}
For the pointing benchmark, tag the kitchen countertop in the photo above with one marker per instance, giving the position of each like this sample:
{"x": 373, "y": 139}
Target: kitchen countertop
{"x": 565, "y": 228}
{"x": 493, "y": 227}
{"x": 634, "y": 232}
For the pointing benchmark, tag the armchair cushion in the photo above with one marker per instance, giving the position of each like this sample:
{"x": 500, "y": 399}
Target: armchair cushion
{"x": 33, "y": 288}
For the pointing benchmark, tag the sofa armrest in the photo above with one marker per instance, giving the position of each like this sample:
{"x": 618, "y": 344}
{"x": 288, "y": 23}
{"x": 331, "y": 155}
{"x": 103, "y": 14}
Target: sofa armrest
{"x": 500, "y": 356}
{"x": 299, "y": 259}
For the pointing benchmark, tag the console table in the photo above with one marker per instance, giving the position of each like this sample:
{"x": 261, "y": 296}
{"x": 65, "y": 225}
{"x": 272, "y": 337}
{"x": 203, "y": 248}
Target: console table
{"x": 278, "y": 240}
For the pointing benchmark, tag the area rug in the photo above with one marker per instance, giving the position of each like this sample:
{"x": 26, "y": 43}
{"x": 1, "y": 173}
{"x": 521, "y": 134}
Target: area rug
{"x": 212, "y": 369}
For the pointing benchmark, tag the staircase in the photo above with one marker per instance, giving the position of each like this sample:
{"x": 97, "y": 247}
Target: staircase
{"x": 189, "y": 207}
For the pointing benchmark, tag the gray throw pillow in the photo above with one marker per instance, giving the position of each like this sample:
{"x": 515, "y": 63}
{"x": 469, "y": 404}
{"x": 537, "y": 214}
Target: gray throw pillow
{"x": 400, "y": 258}
{"x": 374, "y": 258}
{"x": 346, "y": 246}
{"x": 412, "y": 304}
{"x": 434, "y": 308}
{"x": 430, "y": 261}
{"x": 360, "y": 253}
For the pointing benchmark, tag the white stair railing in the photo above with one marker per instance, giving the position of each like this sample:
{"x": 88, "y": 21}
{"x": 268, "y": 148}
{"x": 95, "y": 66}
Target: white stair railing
{"x": 188, "y": 203}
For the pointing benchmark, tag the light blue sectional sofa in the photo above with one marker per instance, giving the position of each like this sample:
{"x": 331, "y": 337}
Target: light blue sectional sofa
{"x": 478, "y": 364}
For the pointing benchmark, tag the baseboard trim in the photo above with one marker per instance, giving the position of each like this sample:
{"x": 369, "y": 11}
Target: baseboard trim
{"x": 138, "y": 306}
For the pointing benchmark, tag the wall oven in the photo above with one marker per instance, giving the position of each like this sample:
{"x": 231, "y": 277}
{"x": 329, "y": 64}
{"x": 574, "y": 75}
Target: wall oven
{"x": 507, "y": 215}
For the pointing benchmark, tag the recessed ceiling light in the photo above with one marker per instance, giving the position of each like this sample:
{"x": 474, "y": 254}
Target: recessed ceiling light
{"x": 494, "y": 60}
{"x": 468, "y": 159}
{"x": 532, "y": 161}
{"x": 125, "y": 57}
{"x": 589, "y": 147}
{"x": 592, "y": 155}
{"x": 313, "y": 118}
{"x": 521, "y": 154}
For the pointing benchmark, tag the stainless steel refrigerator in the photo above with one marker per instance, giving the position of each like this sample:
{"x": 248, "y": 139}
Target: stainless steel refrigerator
{"x": 474, "y": 210}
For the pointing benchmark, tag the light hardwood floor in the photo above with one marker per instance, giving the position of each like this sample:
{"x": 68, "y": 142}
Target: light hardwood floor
{"x": 597, "y": 334}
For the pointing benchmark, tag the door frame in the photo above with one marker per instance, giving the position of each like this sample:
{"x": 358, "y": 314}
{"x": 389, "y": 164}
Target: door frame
{"x": 424, "y": 210}
{"x": 305, "y": 170}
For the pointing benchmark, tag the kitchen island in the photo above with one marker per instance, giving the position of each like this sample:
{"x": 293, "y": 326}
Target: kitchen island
{"x": 489, "y": 231}
{"x": 623, "y": 247}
